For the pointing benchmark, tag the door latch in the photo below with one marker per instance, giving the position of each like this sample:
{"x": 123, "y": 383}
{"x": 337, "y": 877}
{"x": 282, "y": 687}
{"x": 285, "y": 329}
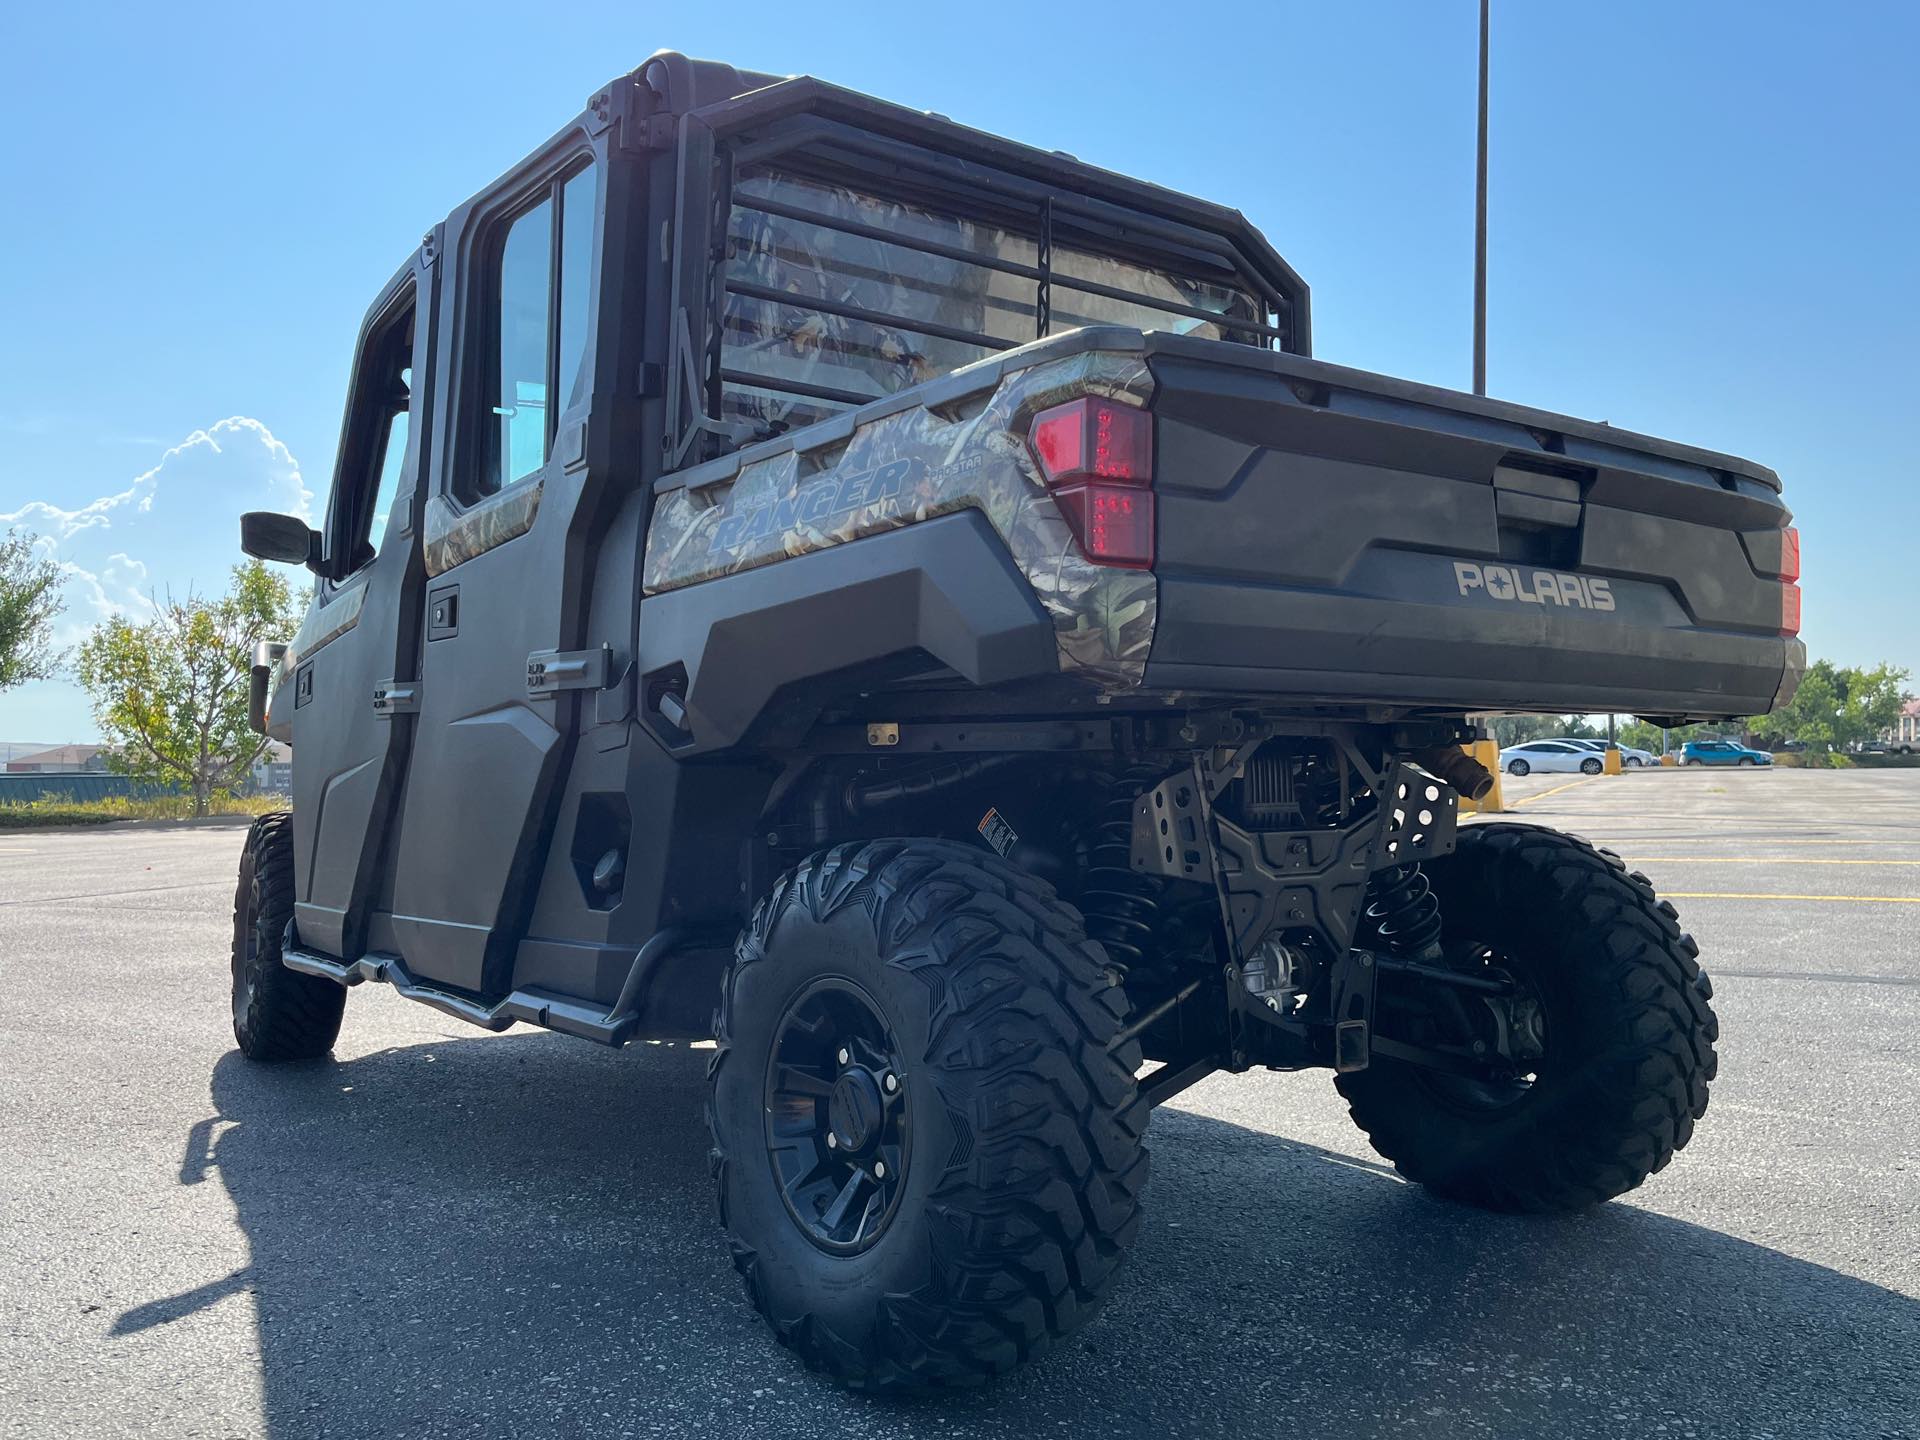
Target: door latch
{"x": 391, "y": 698}
{"x": 551, "y": 671}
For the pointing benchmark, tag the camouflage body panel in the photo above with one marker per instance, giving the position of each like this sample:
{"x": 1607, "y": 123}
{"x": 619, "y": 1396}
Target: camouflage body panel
{"x": 322, "y": 625}
{"x": 453, "y": 536}
{"x": 913, "y": 464}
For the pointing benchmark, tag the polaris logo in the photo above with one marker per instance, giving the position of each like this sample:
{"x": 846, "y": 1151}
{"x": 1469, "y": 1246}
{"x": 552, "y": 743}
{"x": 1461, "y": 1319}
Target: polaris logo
{"x": 1533, "y": 587}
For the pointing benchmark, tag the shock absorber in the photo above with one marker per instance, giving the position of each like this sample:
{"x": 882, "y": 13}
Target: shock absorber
{"x": 1123, "y": 908}
{"x": 1404, "y": 912}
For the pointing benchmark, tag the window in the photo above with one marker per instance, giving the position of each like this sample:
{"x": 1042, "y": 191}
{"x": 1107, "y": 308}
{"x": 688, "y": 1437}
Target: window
{"x": 541, "y": 319}
{"x": 374, "y": 459}
{"x": 834, "y": 297}
{"x": 393, "y": 458}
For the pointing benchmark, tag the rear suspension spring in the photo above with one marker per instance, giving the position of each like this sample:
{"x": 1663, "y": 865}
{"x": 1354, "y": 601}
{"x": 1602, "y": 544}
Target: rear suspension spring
{"x": 1404, "y": 912}
{"x": 1123, "y": 907}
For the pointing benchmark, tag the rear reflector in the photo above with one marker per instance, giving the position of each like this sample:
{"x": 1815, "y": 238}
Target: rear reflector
{"x": 1790, "y": 609}
{"x": 1790, "y": 553}
{"x": 1096, "y": 457}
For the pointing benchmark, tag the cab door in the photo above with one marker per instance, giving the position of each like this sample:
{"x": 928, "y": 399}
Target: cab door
{"x": 508, "y": 544}
{"x": 350, "y": 750}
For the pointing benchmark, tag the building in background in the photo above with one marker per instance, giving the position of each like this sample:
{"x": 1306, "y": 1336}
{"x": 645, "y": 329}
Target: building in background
{"x": 61, "y": 760}
{"x": 272, "y": 773}
{"x": 1906, "y": 730}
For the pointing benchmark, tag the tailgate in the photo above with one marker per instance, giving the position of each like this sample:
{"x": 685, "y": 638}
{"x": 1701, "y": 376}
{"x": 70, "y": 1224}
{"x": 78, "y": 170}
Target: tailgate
{"x": 1327, "y": 534}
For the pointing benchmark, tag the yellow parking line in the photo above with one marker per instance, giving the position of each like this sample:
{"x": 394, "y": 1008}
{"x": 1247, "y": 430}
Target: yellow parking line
{"x": 1755, "y": 860}
{"x": 1738, "y": 895}
{"x": 1528, "y": 800}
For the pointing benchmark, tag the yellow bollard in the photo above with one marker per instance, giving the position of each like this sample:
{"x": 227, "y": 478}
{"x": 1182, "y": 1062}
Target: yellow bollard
{"x": 1669, "y": 759}
{"x": 1613, "y": 761}
{"x": 1487, "y": 752}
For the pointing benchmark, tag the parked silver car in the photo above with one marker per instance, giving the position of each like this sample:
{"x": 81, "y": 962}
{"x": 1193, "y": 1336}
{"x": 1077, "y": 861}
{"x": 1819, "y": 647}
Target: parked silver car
{"x": 1630, "y": 755}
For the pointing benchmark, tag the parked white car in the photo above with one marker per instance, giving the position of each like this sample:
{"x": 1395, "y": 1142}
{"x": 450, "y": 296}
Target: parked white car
{"x": 1531, "y": 755}
{"x": 1629, "y": 754}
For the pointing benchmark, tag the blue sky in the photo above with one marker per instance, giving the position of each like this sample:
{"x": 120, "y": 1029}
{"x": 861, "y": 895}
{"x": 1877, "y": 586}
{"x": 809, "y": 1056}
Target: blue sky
{"x": 1704, "y": 224}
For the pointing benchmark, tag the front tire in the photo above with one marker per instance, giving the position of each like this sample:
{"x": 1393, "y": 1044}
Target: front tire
{"x": 957, "y": 1224}
{"x": 278, "y": 1014}
{"x": 1626, "y": 1032}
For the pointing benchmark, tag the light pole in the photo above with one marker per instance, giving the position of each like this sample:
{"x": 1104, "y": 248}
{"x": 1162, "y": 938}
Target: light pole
{"x": 1480, "y": 225}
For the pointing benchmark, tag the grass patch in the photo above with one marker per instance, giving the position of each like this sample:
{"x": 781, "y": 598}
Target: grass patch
{"x": 37, "y": 814}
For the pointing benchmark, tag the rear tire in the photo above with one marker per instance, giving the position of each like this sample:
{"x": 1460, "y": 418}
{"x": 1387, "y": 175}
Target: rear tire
{"x": 1591, "y": 767}
{"x": 1518, "y": 767}
{"x": 1628, "y": 1033}
{"x": 1020, "y": 1167}
{"x": 278, "y": 1014}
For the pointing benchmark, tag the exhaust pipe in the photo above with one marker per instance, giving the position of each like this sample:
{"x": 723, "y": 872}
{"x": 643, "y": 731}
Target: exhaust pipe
{"x": 1457, "y": 768}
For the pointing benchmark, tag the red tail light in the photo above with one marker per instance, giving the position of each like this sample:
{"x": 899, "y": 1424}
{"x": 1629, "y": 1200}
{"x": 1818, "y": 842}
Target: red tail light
{"x": 1790, "y": 572}
{"x": 1097, "y": 459}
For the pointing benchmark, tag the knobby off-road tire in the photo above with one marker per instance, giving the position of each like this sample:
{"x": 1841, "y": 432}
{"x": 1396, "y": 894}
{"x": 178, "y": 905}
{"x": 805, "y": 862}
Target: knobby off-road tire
{"x": 1629, "y": 1034}
{"x": 278, "y": 1014}
{"x": 1023, "y": 1168}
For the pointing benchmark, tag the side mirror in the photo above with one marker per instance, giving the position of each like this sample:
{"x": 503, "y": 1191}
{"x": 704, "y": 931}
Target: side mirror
{"x": 286, "y": 538}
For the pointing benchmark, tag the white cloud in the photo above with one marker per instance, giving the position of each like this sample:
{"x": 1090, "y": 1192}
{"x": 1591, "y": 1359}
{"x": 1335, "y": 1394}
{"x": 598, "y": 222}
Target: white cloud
{"x": 236, "y": 461}
{"x": 174, "y": 527}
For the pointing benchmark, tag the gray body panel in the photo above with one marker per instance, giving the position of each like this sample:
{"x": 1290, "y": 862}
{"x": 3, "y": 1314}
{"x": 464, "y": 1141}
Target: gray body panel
{"x": 1313, "y": 519}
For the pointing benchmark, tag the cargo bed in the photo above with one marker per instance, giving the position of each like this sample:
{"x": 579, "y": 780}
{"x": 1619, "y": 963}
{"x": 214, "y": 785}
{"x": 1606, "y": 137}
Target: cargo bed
{"x": 1325, "y": 536}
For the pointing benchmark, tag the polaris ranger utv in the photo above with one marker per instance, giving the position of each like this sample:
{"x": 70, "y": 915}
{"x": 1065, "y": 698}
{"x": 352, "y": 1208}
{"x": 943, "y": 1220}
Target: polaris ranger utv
{"x": 915, "y": 596}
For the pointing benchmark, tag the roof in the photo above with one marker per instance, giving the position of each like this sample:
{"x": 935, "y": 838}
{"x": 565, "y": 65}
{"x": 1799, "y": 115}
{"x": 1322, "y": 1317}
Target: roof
{"x": 1912, "y": 707}
{"x": 74, "y": 755}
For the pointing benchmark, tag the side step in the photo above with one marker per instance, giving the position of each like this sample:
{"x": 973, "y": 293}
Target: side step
{"x": 535, "y": 1006}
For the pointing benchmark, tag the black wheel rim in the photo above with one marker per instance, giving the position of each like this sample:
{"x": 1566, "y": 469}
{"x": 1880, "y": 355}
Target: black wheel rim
{"x": 1514, "y": 1023}
{"x": 837, "y": 1116}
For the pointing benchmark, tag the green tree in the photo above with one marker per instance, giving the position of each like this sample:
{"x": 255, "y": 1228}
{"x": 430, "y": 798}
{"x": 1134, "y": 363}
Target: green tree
{"x": 170, "y": 696}
{"x": 1836, "y": 706}
{"x": 1642, "y": 736}
{"x": 1518, "y": 729}
{"x": 29, "y": 603}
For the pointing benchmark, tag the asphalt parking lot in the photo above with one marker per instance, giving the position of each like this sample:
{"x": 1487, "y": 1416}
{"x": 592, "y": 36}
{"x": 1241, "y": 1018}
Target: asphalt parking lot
{"x": 442, "y": 1232}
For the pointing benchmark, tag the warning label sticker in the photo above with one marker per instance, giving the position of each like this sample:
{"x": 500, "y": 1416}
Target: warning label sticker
{"x": 995, "y": 830}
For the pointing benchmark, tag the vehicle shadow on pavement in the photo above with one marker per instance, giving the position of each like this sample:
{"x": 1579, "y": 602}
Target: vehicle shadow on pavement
{"x": 515, "y": 1235}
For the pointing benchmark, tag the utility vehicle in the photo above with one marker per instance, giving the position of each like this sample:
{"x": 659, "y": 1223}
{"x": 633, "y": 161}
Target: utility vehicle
{"x": 907, "y": 608}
